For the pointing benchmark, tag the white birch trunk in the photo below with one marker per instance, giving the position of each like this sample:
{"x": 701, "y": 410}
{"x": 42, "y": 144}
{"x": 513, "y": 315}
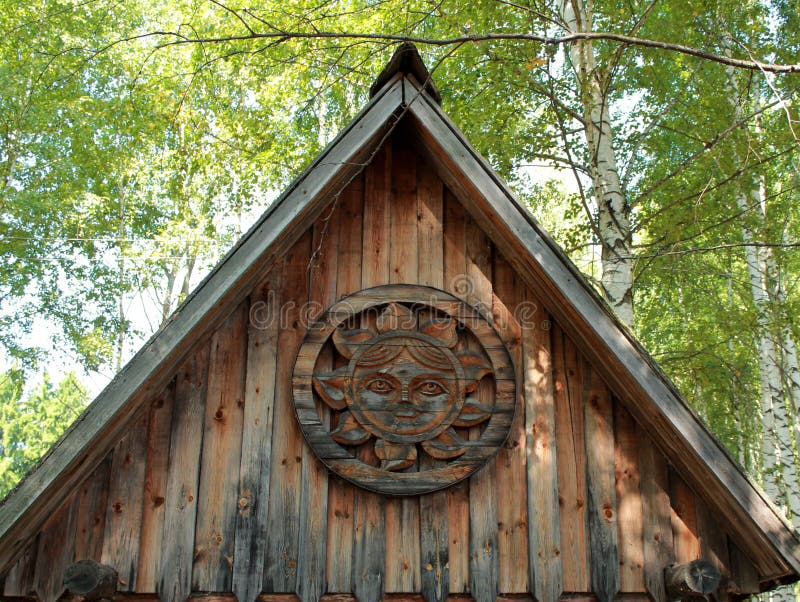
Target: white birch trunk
{"x": 613, "y": 211}
{"x": 777, "y": 294}
{"x": 780, "y": 469}
{"x": 791, "y": 371}
{"x": 771, "y": 386}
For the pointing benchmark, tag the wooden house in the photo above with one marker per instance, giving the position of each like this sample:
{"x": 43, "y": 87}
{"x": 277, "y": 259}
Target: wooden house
{"x": 395, "y": 387}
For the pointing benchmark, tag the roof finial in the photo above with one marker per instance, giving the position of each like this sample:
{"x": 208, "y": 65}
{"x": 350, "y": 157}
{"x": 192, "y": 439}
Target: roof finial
{"x": 406, "y": 60}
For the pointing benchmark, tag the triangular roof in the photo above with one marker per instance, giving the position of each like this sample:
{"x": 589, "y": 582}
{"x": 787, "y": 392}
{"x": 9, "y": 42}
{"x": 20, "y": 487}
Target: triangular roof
{"x": 742, "y": 507}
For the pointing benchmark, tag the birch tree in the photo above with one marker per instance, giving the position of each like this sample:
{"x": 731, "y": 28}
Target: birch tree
{"x": 780, "y": 467}
{"x": 613, "y": 210}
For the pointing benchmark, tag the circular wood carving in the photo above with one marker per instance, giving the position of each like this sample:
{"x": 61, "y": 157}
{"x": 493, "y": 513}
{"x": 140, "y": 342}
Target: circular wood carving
{"x": 403, "y": 389}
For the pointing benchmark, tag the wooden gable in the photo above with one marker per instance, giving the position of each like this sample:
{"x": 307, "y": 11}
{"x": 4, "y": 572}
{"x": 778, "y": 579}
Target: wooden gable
{"x": 190, "y": 475}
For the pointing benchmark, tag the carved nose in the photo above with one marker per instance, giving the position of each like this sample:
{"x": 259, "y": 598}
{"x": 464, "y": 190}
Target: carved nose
{"x": 404, "y": 398}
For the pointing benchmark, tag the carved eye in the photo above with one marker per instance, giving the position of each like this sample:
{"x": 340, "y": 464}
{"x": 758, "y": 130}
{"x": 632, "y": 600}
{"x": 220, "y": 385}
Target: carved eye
{"x": 431, "y": 387}
{"x": 381, "y": 386}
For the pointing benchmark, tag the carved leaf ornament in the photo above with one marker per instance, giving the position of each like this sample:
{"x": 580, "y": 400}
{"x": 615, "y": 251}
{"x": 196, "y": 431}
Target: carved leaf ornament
{"x": 395, "y": 373}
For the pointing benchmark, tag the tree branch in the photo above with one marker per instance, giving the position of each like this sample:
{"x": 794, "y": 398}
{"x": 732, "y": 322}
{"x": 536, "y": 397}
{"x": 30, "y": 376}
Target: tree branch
{"x": 279, "y": 36}
{"x": 707, "y": 146}
{"x": 733, "y": 245}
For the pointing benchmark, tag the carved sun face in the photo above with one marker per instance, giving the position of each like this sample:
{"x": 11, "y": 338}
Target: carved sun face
{"x": 406, "y": 383}
{"x": 405, "y": 387}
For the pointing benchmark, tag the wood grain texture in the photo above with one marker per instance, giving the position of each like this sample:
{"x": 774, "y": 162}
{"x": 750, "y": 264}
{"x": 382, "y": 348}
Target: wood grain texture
{"x": 118, "y": 597}
{"x": 369, "y": 543}
{"x": 403, "y": 572}
{"x": 483, "y": 535}
{"x": 510, "y": 464}
{"x": 435, "y": 570}
{"x": 254, "y": 483}
{"x": 184, "y": 474}
{"x": 122, "y": 531}
{"x": 212, "y": 570}
{"x": 433, "y": 508}
{"x": 341, "y": 495}
{"x": 54, "y": 551}
{"x": 311, "y": 562}
{"x": 455, "y": 266}
{"x": 658, "y": 550}
{"x": 570, "y": 443}
{"x": 684, "y": 520}
{"x": 402, "y": 544}
{"x": 430, "y": 199}
{"x": 280, "y": 573}
{"x": 544, "y": 522}
{"x": 91, "y": 519}
{"x": 714, "y": 547}
{"x": 214, "y": 597}
{"x": 19, "y": 579}
{"x": 155, "y": 490}
{"x": 629, "y": 501}
{"x": 602, "y": 502}
{"x": 744, "y": 573}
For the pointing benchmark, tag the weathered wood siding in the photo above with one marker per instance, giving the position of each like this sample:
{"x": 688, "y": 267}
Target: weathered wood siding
{"x": 213, "y": 488}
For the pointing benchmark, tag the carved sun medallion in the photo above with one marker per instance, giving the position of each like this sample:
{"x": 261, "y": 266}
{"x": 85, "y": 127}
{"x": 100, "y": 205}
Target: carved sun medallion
{"x": 403, "y": 389}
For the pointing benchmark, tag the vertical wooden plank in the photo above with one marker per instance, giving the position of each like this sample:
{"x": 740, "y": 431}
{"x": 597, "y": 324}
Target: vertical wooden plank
{"x": 311, "y": 561}
{"x": 544, "y": 535}
{"x": 91, "y": 519}
{"x": 510, "y": 464}
{"x": 155, "y": 490}
{"x": 602, "y": 502}
{"x": 430, "y": 198}
{"x": 743, "y": 571}
{"x": 402, "y": 514}
{"x": 684, "y": 520}
{"x": 432, "y": 507}
{"x": 19, "y": 579}
{"x": 251, "y": 517}
{"x": 629, "y": 501}
{"x": 455, "y": 267}
{"x": 184, "y": 474}
{"x": 125, "y": 501}
{"x": 434, "y": 545}
{"x": 341, "y": 495}
{"x": 369, "y": 532}
{"x": 377, "y": 198}
{"x": 402, "y": 545}
{"x": 713, "y": 546}
{"x": 483, "y": 531}
{"x": 570, "y": 443}
{"x": 403, "y": 235}
{"x": 221, "y": 456}
{"x": 280, "y": 574}
{"x": 656, "y": 523}
{"x": 54, "y": 552}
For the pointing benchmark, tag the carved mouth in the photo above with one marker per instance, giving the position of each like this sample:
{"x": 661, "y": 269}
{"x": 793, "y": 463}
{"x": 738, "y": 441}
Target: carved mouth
{"x": 407, "y": 413}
